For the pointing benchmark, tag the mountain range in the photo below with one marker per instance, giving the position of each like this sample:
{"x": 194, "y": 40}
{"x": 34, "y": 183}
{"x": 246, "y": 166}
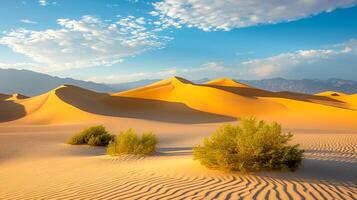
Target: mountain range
{"x": 31, "y": 83}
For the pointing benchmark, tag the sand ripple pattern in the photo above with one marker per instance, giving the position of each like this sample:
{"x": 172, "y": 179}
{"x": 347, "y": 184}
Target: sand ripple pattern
{"x": 144, "y": 178}
{"x": 149, "y": 185}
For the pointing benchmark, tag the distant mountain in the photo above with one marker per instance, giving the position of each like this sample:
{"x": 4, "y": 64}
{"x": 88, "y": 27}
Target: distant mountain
{"x": 131, "y": 85}
{"x": 309, "y": 86}
{"x": 32, "y": 83}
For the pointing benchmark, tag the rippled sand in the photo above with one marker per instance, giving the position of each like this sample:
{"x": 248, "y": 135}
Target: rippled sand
{"x": 36, "y": 164}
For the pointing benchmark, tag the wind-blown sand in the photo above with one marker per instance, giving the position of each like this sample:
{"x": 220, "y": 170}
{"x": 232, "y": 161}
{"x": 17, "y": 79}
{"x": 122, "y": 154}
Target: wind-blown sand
{"x": 35, "y": 162}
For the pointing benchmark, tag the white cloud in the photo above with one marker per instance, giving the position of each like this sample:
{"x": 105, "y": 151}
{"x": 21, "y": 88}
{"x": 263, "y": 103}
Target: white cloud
{"x": 338, "y": 61}
{"x": 210, "y": 15}
{"x": 27, "y": 21}
{"x": 43, "y": 2}
{"x": 84, "y": 43}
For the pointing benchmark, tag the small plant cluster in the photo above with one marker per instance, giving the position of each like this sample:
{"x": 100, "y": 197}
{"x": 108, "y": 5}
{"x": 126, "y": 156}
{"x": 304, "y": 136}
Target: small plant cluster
{"x": 126, "y": 142}
{"x": 94, "y": 136}
{"x": 251, "y": 146}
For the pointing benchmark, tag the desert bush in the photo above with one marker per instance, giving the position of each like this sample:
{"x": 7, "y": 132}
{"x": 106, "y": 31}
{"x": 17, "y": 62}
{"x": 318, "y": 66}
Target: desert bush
{"x": 94, "y": 136}
{"x": 251, "y": 146}
{"x": 127, "y": 142}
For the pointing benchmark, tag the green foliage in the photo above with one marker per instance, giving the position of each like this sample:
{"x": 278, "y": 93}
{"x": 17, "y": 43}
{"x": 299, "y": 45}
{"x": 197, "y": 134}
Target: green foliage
{"x": 94, "y": 136}
{"x": 251, "y": 146}
{"x": 127, "y": 142}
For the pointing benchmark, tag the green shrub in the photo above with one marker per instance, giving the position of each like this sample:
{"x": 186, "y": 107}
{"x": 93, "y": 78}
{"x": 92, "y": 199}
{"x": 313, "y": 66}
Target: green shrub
{"x": 128, "y": 142}
{"x": 251, "y": 146}
{"x": 94, "y": 136}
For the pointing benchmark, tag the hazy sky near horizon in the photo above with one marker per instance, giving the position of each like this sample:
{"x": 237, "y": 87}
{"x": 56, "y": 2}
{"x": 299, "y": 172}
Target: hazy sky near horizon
{"x": 126, "y": 40}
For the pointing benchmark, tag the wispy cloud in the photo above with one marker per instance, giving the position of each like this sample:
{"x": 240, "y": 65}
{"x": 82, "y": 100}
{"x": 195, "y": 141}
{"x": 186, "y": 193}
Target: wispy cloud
{"x": 86, "y": 42}
{"x": 27, "y": 21}
{"x": 210, "y": 15}
{"x": 337, "y": 61}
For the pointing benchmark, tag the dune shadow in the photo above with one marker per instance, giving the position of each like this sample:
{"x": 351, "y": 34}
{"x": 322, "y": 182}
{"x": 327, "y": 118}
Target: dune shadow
{"x": 10, "y": 111}
{"x": 173, "y": 151}
{"x": 256, "y": 92}
{"x": 321, "y": 165}
{"x": 118, "y": 106}
{"x": 84, "y": 150}
{"x": 320, "y": 168}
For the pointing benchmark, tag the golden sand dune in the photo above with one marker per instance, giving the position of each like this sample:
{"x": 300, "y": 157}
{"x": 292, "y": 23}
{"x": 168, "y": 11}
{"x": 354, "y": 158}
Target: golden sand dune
{"x": 36, "y": 164}
{"x": 70, "y": 104}
{"x": 351, "y": 100}
{"x": 205, "y": 98}
{"x": 227, "y": 82}
{"x": 181, "y": 101}
{"x": 227, "y": 97}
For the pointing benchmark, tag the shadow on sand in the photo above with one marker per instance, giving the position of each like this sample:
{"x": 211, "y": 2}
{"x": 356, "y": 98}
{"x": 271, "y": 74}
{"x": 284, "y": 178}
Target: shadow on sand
{"x": 118, "y": 106}
{"x": 256, "y": 92}
{"x": 10, "y": 110}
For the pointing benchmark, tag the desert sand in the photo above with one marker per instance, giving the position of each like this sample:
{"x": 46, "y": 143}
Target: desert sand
{"x": 36, "y": 163}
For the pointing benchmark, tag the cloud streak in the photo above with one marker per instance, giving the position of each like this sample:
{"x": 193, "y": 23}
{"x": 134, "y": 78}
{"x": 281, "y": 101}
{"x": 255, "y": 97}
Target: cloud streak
{"x": 212, "y": 15}
{"x": 27, "y": 21}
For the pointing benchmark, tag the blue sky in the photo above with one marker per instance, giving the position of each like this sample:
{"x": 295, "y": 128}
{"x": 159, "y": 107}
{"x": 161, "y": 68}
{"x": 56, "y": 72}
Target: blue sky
{"x": 127, "y": 40}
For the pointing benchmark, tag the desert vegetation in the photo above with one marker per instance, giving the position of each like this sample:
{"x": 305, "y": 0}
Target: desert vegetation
{"x": 128, "y": 142}
{"x": 251, "y": 146}
{"x": 94, "y": 136}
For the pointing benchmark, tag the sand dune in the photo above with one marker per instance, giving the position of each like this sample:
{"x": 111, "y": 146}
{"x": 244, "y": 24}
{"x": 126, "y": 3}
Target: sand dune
{"x": 181, "y": 101}
{"x": 70, "y": 104}
{"x": 204, "y": 98}
{"x": 227, "y": 97}
{"x": 227, "y": 82}
{"x": 59, "y": 171}
{"x": 351, "y": 100}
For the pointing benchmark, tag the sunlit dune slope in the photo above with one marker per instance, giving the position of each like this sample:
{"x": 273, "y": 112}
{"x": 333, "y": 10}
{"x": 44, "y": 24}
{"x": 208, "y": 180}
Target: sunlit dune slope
{"x": 227, "y": 97}
{"x": 227, "y": 82}
{"x": 70, "y": 104}
{"x": 351, "y": 100}
{"x": 204, "y": 98}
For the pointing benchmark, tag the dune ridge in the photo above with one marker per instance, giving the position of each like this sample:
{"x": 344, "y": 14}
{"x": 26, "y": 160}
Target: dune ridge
{"x": 181, "y": 101}
{"x": 68, "y": 104}
{"x": 227, "y": 82}
{"x": 227, "y": 97}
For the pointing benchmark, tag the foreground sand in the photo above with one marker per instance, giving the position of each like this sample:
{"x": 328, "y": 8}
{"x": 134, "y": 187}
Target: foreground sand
{"x": 35, "y": 163}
